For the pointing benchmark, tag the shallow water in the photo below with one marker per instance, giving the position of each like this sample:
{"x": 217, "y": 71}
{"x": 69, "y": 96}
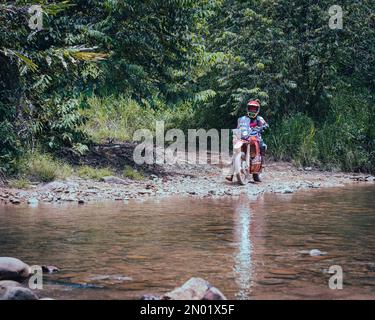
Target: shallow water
{"x": 249, "y": 249}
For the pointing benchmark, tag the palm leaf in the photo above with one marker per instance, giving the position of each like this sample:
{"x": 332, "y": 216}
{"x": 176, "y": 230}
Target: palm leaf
{"x": 27, "y": 61}
{"x": 56, "y": 8}
{"x": 89, "y": 56}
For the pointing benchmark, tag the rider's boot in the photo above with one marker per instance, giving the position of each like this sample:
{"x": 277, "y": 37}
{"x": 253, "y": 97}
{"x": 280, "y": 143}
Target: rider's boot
{"x": 229, "y": 178}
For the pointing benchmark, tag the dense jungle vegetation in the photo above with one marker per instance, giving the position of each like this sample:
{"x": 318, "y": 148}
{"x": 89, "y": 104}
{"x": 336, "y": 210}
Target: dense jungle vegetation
{"x": 98, "y": 70}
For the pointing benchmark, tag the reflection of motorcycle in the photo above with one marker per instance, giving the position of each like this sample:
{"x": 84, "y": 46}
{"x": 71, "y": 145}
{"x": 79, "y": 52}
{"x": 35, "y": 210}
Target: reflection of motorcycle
{"x": 247, "y": 157}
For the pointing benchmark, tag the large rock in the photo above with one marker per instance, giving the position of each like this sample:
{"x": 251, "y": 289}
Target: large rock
{"x": 50, "y": 269}
{"x": 214, "y": 294}
{"x": 195, "y": 289}
{"x": 9, "y": 283}
{"x": 149, "y": 297}
{"x": 317, "y": 252}
{"x": 13, "y": 269}
{"x": 15, "y": 200}
{"x": 17, "y": 293}
{"x": 12, "y": 290}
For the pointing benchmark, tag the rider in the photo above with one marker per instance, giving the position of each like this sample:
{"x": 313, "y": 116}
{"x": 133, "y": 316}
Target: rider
{"x": 253, "y": 109}
{"x": 256, "y": 121}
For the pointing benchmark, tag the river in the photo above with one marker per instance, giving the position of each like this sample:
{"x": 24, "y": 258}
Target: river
{"x": 248, "y": 248}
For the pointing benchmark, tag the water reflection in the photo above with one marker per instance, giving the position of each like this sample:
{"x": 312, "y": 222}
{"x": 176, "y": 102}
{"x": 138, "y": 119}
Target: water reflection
{"x": 243, "y": 256}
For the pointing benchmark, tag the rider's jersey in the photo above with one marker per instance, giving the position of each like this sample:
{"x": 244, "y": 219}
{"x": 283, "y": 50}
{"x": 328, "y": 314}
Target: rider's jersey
{"x": 252, "y": 123}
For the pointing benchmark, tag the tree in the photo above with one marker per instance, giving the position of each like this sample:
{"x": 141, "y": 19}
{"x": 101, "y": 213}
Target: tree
{"x": 284, "y": 53}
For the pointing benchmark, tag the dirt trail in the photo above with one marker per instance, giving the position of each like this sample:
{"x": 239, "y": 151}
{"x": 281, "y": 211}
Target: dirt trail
{"x": 182, "y": 179}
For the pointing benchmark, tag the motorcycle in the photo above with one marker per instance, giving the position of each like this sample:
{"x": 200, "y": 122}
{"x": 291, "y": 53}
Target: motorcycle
{"x": 247, "y": 157}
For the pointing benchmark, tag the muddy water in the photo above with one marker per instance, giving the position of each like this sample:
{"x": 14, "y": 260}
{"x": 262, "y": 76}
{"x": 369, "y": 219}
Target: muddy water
{"x": 250, "y": 249}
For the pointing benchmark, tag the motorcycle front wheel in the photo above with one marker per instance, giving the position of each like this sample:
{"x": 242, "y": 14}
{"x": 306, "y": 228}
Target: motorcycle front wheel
{"x": 243, "y": 174}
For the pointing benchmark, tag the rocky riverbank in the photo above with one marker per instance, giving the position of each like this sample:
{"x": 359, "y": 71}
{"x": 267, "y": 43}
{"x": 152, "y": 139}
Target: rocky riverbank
{"x": 182, "y": 180}
{"x": 14, "y": 276}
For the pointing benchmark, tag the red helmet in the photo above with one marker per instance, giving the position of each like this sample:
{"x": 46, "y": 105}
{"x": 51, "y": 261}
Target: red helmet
{"x": 253, "y": 108}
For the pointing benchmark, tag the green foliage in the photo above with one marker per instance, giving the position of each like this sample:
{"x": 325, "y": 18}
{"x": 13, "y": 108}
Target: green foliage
{"x": 182, "y": 116}
{"x": 152, "y": 49}
{"x": 9, "y": 146}
{"x": 88, "y": 172}
{"x": 131, "y": 173}
{"x": 42, "y": 167}
{"x": 284, "y": 53}
{"x": 112, "y": 118}
{"x": 99, "y": 70}
{"x": 156, "y": 47}
{"x": 347, "y": 139}
{"x": 344, "y": 141}
{"x": 21, "y": 183}
{"x": 294, "y": 139}
{"x": 60, "y": 118}
{"x": 41, "y": 76}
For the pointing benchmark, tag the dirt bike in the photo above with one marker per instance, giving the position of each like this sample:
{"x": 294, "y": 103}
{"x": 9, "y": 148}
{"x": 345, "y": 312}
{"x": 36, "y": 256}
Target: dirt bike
{"x": 247, "y": 157}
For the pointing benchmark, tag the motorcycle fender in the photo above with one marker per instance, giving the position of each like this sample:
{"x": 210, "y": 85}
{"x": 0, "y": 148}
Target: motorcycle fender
{"x": 237, "y": 145}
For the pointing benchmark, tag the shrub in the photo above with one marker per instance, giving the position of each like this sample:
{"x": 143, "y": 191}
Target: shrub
{"x": 43, "y": 167}
{"x": 21, "y": 183}
{"x": 88, "y": 172}
{"x": 345, "y": 138}
{"x": 10, "y": 148}
{"x": 131, "y": 173}
{"x": 116, "y": 118}
{"x": 294, "y": 139}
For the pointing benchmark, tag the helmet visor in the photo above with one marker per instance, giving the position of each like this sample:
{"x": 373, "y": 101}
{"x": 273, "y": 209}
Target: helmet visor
{"x": 252, "y": 111}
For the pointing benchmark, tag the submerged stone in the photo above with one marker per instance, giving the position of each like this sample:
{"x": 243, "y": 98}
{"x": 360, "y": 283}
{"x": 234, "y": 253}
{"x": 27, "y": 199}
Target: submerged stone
{"x": 17, "y": 293}
{"x": 13, "y": 269}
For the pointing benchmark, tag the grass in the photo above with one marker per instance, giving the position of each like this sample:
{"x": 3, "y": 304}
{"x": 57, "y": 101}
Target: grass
{"x": 20, "y": 183}
{"x": 344, "y": 141}
{"x": 88, "y": 172}
{"x": 117, "y": 118}
{"x": 131, "y": 173}
{"x": 42, "y": 167}
{"x": 294, "y": 140}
